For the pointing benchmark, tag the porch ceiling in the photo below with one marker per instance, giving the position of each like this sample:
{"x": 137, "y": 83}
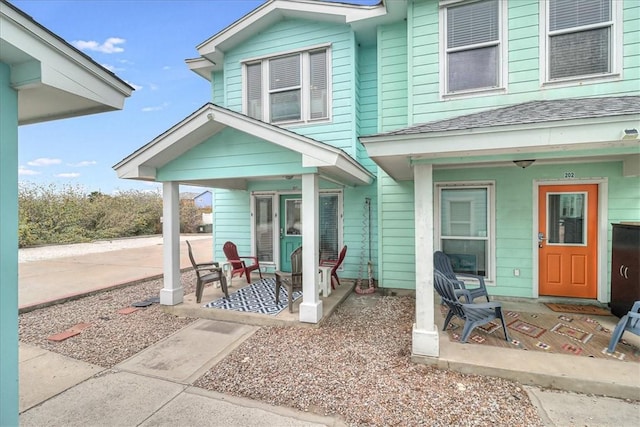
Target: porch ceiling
{"x": 330, "y": 163}
{"x": 498, "y": 137}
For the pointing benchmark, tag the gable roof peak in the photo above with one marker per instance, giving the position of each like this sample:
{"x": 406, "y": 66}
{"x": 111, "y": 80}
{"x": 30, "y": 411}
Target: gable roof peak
{"x": 362, "y": 18}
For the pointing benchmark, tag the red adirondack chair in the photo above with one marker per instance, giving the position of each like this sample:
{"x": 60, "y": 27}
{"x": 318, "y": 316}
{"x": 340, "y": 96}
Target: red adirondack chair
{"x": 335, "y": 265}
{"x": 238, "y": 266}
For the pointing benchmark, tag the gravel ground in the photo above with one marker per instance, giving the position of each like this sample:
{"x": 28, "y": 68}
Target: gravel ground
{"x": 357, "y": 365}
{"x": 112, "y": 337}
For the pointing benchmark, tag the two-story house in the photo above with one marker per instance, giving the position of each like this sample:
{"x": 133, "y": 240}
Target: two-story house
{"x": 504, "y": 133}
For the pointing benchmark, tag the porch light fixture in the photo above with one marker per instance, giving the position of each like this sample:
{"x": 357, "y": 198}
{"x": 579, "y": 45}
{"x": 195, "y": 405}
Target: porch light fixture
{"x": 630, "y": 134}
{"x": 523, "y": 163}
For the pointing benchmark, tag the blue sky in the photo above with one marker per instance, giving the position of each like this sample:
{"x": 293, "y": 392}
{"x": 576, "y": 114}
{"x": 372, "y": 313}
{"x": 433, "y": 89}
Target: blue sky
{"x": 145, "y": 43}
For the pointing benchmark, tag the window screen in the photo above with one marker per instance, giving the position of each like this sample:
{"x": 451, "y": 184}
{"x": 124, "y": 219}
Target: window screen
{"x": 473, "y": 37}
{"x": 583, "y": 51}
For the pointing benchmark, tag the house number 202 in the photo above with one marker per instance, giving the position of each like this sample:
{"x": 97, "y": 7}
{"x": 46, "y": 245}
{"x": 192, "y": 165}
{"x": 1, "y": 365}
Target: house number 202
{"x": 569, "y": 175}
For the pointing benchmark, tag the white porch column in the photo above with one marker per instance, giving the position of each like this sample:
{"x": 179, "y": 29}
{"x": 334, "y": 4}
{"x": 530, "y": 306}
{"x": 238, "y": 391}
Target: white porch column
{"x": 425, "y": 334}
{"x": 311, "y": 306}
{"x": 172, "y": 293}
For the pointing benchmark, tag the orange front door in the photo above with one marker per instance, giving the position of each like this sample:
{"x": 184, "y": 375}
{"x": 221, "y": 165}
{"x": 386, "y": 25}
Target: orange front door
{"x": 568, "y": 240}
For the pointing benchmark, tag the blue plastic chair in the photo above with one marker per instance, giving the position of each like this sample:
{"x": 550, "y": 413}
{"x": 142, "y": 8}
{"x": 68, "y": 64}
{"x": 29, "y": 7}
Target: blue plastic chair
{"x": 442, "y": 263}
{"x": 629, "y": 322}
{"x": 473, "y": 314}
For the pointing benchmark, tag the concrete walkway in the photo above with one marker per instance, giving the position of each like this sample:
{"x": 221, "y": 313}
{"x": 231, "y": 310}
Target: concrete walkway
{"x": 155, "y": 387}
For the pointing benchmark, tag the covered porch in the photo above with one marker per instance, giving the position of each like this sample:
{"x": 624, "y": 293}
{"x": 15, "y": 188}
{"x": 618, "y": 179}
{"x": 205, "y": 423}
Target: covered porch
{"x": 203, "y": 150}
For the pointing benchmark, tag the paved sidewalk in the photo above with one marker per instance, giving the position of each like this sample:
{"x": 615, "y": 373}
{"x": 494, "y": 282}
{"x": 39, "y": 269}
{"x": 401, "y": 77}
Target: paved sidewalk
{"x": 45, "y": 278}
{"x": 152, "y": 388}
{"x": 155, "y": 387}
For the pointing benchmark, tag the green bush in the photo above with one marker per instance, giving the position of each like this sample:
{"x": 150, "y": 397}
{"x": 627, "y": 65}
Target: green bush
{"x": 52, "y": 214}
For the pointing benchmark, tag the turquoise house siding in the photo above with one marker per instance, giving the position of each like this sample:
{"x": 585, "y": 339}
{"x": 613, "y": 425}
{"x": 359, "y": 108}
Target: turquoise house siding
{"x": 367, "y": 101}
{"x": 230, "y": 153}
{"x": 514, "y": 212}
{"x": 232, "y": 216}
{"x": 291, "y": 35}
{"x": 8, "y": 249}
{"x": 397, "y": 232}
{"x": 218, "y": 89}
{"x": 523, "y": 65}
{"x": 409, "y": 93}
{"x": 392, "y": 76}
{"x": 395, "y": 199}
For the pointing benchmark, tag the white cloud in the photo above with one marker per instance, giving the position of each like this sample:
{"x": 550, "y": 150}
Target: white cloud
{"x": 68, "y": 175}
{"x": 153, "y": 86}
{"x": 109, "y": 45}
{"x": 166, "y": 67}
{"x": 44, "y": 161}
{"x": 82, "y": 163}
{"x": 24, "y": 171}
{"x": 156, "y": 108}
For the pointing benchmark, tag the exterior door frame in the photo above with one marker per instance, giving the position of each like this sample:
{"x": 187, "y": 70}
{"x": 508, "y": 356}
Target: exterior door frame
{"x": 603, "y": 197}
{"x": 275, "y": 195}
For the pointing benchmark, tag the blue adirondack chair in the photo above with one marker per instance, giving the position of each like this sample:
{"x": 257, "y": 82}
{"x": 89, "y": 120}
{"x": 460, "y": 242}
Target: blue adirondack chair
{"x": 629, "y": 322}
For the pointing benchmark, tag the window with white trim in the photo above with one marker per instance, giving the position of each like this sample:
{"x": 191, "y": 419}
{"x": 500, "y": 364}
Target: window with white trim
{"x": 289, "y": 88}
{"x": 465, "y": 226}
{"x": 579, "y": 39}
{"x": 473, "y": 49}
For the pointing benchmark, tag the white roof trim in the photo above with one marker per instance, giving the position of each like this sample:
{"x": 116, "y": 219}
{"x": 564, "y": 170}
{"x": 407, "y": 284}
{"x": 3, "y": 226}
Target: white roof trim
{"x": 210, "y": 119}
{"x": 53, "y": 79}
{"x": 274, "y": 10}
{"x": 395, "y": 153}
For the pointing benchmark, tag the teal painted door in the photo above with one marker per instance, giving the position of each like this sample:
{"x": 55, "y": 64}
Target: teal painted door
{"x": 290, "y": 228}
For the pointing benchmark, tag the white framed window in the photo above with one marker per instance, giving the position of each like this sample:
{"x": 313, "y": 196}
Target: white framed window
{"x": 292, "y": 87}
{"x": 474, "y": 54}
{"x": 580, "y": 39}
{"x": 464, "y": 226}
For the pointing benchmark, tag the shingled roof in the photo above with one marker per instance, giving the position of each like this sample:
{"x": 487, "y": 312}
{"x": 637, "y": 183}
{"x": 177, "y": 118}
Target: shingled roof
{"x": 529, "y": 113}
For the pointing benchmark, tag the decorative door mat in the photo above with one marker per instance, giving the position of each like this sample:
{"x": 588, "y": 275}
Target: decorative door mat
{"x": 579, "y": 309}
{"x": 259, "y": 297}
{"x": 573, "y": 334}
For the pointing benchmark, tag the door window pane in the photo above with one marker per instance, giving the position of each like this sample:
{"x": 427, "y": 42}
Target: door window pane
{"x": 329, "y": 227}
{"x": 566, "y": 218}
{"x": 293, "y": 217}
{"x": 264, "y": 228}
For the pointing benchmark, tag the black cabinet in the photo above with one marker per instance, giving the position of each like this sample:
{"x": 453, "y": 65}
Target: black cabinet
{"x": 625, "y": 268}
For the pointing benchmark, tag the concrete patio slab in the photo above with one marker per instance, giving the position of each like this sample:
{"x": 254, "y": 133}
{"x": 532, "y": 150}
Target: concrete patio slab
{"x": 185, "y": 356}
{"x": 44, "y": 374}
{"x": 131, "y": 400}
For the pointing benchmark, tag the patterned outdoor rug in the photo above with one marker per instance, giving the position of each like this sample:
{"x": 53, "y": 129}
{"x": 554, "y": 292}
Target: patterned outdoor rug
{"x": 575, "y": 334}
{"x": 579, "y": 309}
{"x": 259, "y": 297}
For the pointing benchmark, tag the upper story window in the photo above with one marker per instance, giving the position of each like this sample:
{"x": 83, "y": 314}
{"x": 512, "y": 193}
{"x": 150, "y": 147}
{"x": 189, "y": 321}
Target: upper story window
{"x": 473, "y": 50}
{"x": 579, "y": 38}
{"x": 289, "y": 88}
